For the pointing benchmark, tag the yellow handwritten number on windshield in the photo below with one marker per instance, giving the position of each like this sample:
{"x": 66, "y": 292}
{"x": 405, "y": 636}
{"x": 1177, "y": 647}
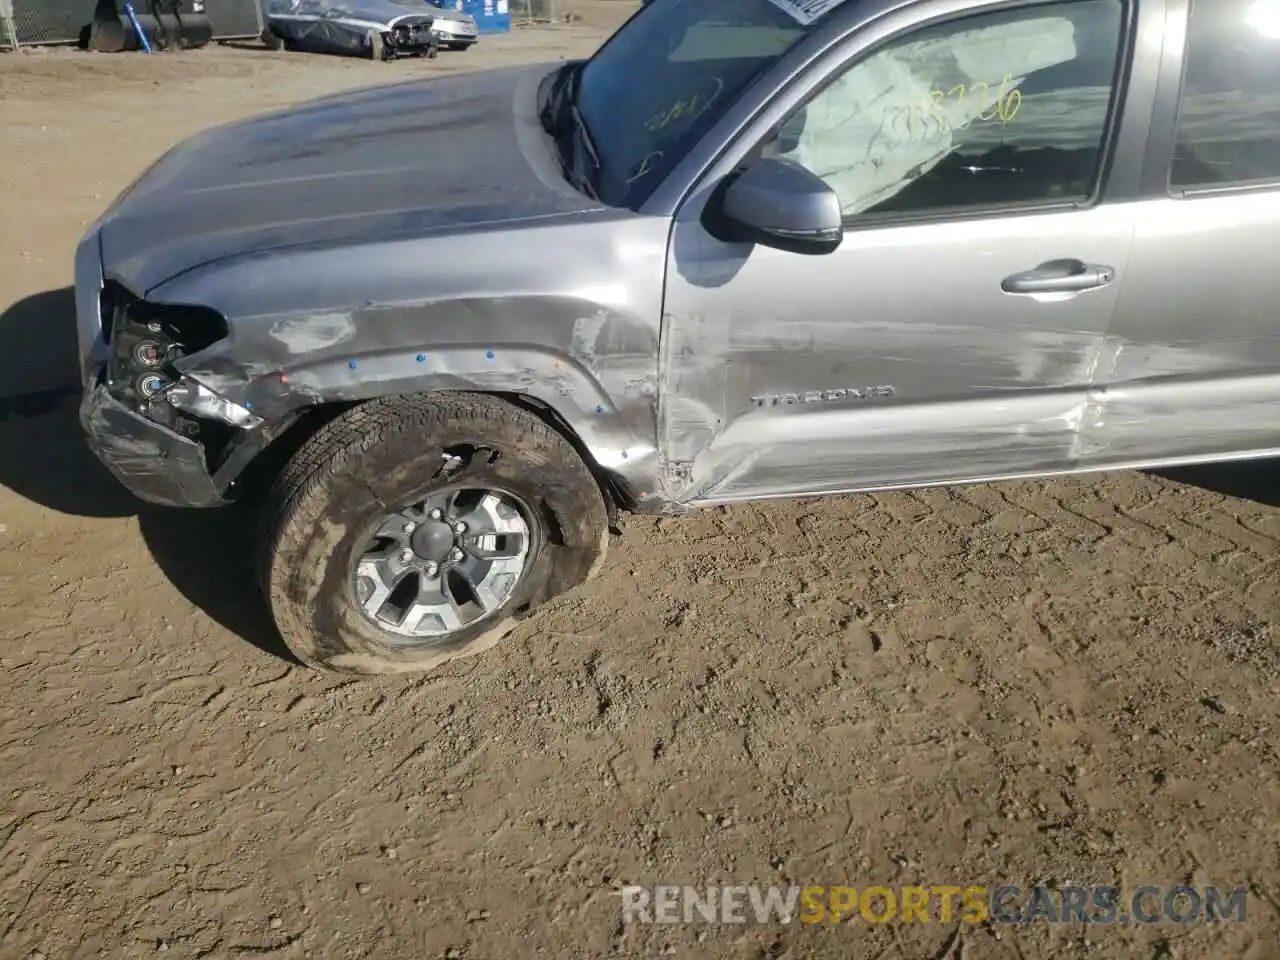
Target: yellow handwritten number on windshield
{"x": 1005, "y": 108}
{"x": 691, "y": 107}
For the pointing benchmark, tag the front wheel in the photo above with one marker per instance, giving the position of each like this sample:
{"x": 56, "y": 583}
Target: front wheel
{"x": 411, "y": 531}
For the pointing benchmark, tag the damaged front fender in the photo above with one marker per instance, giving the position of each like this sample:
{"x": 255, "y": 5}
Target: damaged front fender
{"x": 556, "y": 381}
{"x": 316, "y": 326}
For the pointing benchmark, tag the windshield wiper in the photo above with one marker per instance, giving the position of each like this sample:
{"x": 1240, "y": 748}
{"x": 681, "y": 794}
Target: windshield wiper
{"x": 583, "y": 132}
{"x": 587, "y": 179}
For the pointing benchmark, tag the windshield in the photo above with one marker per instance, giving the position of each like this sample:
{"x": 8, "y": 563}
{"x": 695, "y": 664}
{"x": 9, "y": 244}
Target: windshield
{"x": 670, "y": 73}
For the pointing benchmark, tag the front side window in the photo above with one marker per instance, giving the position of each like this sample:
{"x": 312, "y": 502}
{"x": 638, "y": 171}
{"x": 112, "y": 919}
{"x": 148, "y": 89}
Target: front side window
{"x": 664, "y": 79}
{"x": 1009, "y": 107}
{"x": 1229, "y": 116}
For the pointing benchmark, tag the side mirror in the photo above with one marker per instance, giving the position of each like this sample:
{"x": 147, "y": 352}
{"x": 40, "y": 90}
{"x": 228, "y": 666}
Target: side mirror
{"x": 779, "y": 204}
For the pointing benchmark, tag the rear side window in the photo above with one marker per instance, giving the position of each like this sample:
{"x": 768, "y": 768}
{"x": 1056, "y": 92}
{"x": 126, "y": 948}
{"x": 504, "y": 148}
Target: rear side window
{"x": 1229, "y": 117}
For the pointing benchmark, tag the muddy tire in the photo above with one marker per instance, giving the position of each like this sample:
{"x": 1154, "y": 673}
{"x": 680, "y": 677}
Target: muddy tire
{"x": 365, "y": 471}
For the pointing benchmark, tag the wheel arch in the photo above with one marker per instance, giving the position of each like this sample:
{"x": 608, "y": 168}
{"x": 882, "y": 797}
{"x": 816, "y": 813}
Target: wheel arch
{"x": 614, "y": 436}
{"x": 259, "y": 467}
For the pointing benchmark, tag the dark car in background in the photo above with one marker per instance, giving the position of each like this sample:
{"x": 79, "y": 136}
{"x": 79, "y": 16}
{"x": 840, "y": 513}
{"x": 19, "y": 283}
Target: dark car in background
{"x": 378, "y": 29}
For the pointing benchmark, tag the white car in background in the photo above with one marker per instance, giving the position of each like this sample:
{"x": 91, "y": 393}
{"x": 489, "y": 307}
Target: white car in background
{"x": 454, "y": 29}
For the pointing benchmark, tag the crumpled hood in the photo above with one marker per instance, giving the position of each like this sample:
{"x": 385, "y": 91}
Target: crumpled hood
{"x": 418, "y": 157}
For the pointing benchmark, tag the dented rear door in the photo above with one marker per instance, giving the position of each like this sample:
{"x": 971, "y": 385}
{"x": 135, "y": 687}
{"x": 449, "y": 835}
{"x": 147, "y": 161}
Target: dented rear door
{"x": 1192, "y": 369}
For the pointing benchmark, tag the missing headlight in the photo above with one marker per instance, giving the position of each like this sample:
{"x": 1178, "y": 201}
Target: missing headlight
{"x": 147, "y": 339}
{"x": 139, "y": 366}
{"x": 150, "y": 355}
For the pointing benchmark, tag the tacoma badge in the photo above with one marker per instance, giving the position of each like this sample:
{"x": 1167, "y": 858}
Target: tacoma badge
{"x": 823, "y": 396}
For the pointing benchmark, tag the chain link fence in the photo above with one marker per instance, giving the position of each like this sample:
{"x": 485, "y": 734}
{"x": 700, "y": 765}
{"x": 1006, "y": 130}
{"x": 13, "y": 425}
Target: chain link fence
{"x": 61, "y": 21}
{"x": 50, "y": 21}
{"x": 526, "y": 12}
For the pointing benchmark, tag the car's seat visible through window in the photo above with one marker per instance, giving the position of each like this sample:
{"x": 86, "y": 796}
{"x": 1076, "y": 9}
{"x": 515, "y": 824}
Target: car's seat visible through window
{"x": 999, "y": 108}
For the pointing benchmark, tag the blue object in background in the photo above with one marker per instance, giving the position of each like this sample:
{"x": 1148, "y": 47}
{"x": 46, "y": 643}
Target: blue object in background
{"x": 491, "y": 16}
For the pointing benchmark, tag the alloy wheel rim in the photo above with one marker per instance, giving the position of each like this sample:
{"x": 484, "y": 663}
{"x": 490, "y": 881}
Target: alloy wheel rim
{"x": 443, "y": 563}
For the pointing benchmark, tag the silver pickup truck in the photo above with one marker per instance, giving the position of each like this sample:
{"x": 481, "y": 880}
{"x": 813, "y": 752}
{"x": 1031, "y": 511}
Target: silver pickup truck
{"x": 752, "y": 248}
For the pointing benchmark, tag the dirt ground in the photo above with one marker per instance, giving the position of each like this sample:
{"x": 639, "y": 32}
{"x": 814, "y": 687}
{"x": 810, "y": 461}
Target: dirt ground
{"x": 1072, "y": 681}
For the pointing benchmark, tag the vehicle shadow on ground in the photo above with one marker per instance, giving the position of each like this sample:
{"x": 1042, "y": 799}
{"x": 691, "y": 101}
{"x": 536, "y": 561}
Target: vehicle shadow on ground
{"x": 1256, "y": 480}
{"x": 206, "y": 554}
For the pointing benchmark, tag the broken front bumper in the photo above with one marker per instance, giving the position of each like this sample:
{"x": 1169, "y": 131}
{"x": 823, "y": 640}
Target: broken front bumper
{"x": 154, "y": 463}
{"x": 409, "y": 39}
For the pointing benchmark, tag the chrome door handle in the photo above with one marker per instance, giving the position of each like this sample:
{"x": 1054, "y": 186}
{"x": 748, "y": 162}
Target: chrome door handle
{"x": 1059, "y": 276}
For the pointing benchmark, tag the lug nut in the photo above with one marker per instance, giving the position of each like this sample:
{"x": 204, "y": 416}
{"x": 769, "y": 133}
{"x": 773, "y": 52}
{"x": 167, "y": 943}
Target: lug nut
{"x": 455, "y": 554}
{"x": 406, "y": 555}
{"x": 410, "y": 527}
{"x": 430, "y": 569}
{"x": 459, "y": 528}
{"x": 436, "y": 514}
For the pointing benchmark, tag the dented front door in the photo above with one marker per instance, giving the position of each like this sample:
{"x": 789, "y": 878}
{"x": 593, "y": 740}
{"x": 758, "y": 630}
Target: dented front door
{"x": 955, "y": 333}
{"x": 896, "y": 360}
